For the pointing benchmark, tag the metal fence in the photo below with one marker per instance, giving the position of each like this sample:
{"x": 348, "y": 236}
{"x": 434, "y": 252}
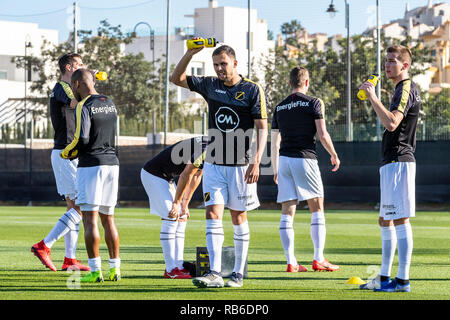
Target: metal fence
{"x": 326, "y": 56}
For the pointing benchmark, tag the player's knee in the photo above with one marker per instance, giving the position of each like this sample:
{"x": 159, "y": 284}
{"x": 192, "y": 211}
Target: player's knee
{"x": 384, "y": 223}
{"x": 315, "y": 204}
{"x": 214, "y": 212}
{"x": 401, "y": 221}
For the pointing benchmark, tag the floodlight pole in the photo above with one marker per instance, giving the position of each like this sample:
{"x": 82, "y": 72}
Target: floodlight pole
{"x": 152, "y": 37}
{"x": 332, "y": 11}
{"x": 248, "y": 40}
{"x": 75, "y": 28}
{"x": 349, "y": 78}
{"x": 166, "y": 105}
{"x": 378, "y": 67}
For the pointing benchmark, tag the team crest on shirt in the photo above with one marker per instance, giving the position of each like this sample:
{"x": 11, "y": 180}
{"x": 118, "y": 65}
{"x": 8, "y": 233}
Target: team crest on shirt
{"x": 226, "y": 119}
{"x": 240, "y": 95}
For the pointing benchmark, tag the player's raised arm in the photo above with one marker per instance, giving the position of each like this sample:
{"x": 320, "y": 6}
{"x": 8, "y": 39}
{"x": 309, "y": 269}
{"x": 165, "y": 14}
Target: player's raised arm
{"x": 178, "y": 77}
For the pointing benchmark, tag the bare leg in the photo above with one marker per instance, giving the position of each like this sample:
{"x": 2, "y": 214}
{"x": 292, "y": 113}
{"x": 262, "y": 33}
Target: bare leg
{"x": 111, "y": 235}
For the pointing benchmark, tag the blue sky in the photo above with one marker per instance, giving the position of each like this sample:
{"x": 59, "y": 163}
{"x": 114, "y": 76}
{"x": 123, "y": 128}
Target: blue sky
{"x": 57, "y": 14}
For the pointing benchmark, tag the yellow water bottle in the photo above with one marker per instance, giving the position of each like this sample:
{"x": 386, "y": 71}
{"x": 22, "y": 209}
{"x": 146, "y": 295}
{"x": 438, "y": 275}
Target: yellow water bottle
{"x": 362, "y": 93}
{"x": 101, "y": 75}
{"x": 201, "y": 42}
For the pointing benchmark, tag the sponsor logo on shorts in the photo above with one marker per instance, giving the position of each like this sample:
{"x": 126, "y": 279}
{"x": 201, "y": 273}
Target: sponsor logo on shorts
{"x": 207, "y": 196}
{"x": 390, "y": 208}
{"x": 250, "y": 203}
{"x": 245, "y": 197}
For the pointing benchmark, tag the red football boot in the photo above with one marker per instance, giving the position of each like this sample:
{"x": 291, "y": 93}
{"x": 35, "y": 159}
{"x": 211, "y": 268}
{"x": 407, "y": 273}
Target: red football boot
{"x": 73, "y": 264}
{"x": 176, "y": 274}
{"x": 324, "y": 266}
{"x": 185, "y": 271}
{"x": 41, "y": 251}
{"x": 297, "y": 268}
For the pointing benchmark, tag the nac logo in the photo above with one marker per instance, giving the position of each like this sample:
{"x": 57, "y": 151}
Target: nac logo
{"x": 226, "y": 119}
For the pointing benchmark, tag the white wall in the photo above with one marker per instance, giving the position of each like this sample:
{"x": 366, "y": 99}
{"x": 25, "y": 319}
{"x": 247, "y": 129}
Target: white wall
{"x": 14, "y": 34}
{"x": 228, "y": 25}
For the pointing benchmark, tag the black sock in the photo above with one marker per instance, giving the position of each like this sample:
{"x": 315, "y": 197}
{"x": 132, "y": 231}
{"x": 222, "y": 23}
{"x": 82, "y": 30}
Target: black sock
{"x": 401, "y": 281}
{"x": 384, "y": 278}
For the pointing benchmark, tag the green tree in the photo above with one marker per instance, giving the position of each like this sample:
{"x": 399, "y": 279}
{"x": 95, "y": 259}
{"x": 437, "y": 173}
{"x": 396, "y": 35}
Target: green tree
{"x": 328, "y": 79}
{"x": 135, "y": 85}
{"x": 289, "y": 30}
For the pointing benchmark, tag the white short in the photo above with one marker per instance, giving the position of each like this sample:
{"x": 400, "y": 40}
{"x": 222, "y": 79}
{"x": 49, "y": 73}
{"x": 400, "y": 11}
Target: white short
{"x": 298, "y": 178}
{"x": 225, "y": 185}
{"x": 97, "y": 188}
{"x": 160, "y": 194}
{"x": 398, "y": 190}
{"x": 65, "y": 172}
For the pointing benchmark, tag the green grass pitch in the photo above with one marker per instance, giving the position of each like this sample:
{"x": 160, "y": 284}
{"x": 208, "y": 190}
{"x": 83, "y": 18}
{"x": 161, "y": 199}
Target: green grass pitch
{"x": 353, "y": 242}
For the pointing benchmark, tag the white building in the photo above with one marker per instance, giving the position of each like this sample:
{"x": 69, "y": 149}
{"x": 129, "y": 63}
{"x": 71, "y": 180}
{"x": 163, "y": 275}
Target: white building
{"x": 229, "y": 26}
{"x": 416, "y": 22}
{"x": 12, "y": 84}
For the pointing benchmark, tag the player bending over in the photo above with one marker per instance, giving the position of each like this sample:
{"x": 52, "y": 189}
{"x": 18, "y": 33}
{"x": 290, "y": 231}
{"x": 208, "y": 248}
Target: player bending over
{"x": 171, "y": 202}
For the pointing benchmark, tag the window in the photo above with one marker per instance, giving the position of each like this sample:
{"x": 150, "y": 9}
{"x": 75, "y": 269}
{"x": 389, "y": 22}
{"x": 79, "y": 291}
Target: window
{"x": 3, "y": 75}
{"x": 200, "y": 71}
{"x": 197, "y": 68}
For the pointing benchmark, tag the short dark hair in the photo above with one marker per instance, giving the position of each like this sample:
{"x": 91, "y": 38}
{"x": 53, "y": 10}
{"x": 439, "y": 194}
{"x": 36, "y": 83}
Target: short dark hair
{"x": 66, "y": 59}
{"x": 227, "y": 49}
{"x": 84, "y": 76}
{"x": 298, "y": 76}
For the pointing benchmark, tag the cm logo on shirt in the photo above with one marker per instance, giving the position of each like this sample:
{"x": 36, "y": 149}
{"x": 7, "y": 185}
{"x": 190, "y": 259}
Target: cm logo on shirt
{"x": 226, "y": 119}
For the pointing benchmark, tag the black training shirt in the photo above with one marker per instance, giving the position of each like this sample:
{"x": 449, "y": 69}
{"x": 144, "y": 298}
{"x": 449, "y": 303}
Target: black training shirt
{"x": 399, "y": 145}
{"x": 95, "y": 132}
{"x": 295, "y": 118}
{"x": 62, "y": 116}
{"x": 170, "y": 163}
{"x": 232, "y": 111}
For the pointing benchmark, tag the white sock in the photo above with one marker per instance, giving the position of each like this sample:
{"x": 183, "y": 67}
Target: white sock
{"x": 95, "y": 264}
{"x": 114, "y": 263}
{"x": 179, "y": 244}
{"x": 71, "y": 237}
{"x": 214, "y": 242}
{"x": 287, "y": 236}
{"x": 69, "y": 221}
{"x": 167, "y": 239}
{"x": 388, "y": 245}
{"x": 241, "y": 243}
{"x": 318, "y": 234}
{"x": 405, "y": 248}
